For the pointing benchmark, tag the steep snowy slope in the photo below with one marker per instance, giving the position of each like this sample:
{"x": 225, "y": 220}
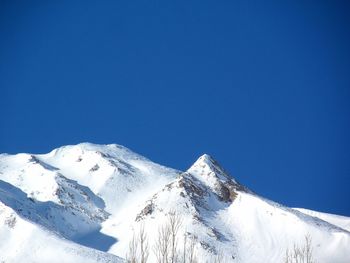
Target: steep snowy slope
{"x": 100, "y": 196}
{"x": 227, "y": 219}
{"x": 24, "y": 241}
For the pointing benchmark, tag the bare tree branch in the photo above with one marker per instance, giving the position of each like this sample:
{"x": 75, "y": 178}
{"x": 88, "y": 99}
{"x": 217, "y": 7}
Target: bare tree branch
{"x": 174, "y": 223}
{"x": 161, "y": 246}
{"x": 301, "y": 254}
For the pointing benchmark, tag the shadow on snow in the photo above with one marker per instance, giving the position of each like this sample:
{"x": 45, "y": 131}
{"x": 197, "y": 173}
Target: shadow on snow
{"x": 41, "y": 213}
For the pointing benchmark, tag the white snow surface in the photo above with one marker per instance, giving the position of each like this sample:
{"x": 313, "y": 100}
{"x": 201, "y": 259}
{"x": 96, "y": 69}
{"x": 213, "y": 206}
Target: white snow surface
{"x": 83, "y": 203}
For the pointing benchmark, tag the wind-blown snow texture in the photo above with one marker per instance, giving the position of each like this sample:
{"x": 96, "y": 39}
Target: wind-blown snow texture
{"x": 83, "y": 203}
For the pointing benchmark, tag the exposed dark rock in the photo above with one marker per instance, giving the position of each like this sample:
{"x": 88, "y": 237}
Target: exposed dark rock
{"x": 208, "y": 247}
{"x": 33, "y": 159}
{"x": 226, "y": 191}
{"x": 146, "y": 211}
{"x": 215, "y": 233}
{"x": 191, "y": 188}
{"x": 95, "y": 168}
{"x": 11, "y": 221}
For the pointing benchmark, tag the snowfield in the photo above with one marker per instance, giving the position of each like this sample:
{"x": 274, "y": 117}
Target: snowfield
{"x": 85, "y": 202}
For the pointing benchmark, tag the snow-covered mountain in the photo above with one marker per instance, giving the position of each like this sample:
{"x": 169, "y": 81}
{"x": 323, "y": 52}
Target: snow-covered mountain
{"x": 86, "y": 202}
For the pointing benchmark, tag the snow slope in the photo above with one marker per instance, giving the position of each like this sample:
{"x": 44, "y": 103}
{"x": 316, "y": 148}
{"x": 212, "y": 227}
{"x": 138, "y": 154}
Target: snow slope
{"x": 340, "y": 221}
{"x": 24, "y": 241}
{"x": 85, "y": 202}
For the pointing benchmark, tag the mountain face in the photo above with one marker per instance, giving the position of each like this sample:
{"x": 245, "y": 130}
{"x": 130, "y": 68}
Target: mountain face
{"x": 87, "y": 203}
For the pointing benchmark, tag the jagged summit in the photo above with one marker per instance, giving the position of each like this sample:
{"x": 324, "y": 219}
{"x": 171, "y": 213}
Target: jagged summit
{"x": 85, "y": 196}
{"x": 207, "y": 168}
{"x": 204, "y": 159}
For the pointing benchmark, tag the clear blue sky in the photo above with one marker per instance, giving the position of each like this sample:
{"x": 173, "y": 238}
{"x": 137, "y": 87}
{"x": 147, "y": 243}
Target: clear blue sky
{"x": 262, "y": 86}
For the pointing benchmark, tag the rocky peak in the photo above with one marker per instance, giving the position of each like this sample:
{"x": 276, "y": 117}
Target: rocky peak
{"x": 208, "y": 169}
{"x": 210, "y": 173}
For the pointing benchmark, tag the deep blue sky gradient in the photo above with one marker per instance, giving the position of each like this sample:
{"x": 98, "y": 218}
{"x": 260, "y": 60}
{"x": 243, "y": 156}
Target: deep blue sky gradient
{"x": 262, "y": 86}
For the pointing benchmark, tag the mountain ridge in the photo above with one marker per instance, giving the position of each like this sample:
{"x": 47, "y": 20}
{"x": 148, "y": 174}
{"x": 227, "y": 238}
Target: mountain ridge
{"x": 96, "y": 197}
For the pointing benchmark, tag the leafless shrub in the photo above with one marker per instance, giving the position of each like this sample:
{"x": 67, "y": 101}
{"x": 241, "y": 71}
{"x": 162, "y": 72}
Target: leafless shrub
{"x": 192, "y": 258}
{"x": 301, "y": 254}
{"x": 165, "y": 247}
{"x": 174, "y": 224}
{"x": 184, "y": 255}
{"x": 161, "y": 245}
{"x": 138, "y": 247}
{"x": 144, "y": 247}
{"x": 131, "y": 257}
